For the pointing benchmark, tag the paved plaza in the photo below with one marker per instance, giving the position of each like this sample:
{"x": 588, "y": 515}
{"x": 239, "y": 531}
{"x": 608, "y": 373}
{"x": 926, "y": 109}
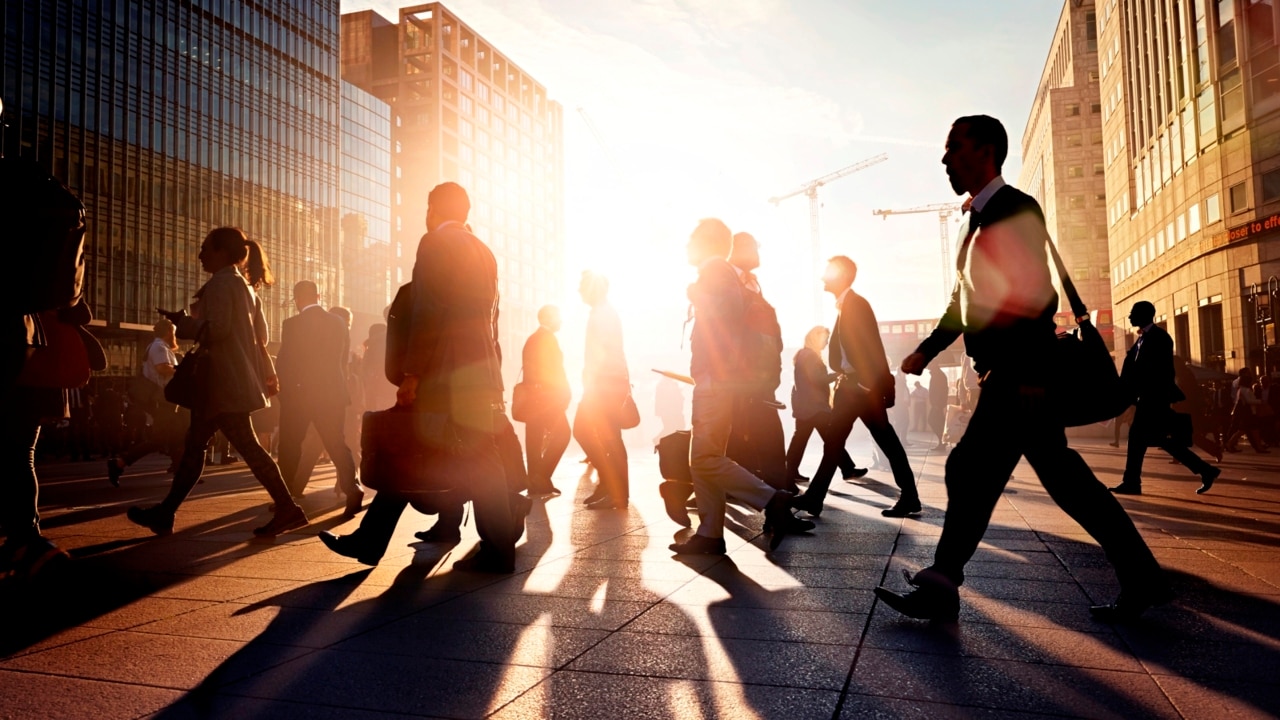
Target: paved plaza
{"x": 601, "y": 621}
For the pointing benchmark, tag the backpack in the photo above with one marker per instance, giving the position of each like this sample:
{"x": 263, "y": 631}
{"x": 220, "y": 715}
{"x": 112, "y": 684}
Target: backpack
{"x": 398, "y": 326}
{"x": 761, "y": 342}
{"x": 44, "y": 237}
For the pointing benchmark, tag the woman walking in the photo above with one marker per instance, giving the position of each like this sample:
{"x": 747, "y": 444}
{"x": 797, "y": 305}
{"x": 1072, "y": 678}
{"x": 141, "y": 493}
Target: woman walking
{"x": 236, "y": 378}
{"x": 811, "y": 406}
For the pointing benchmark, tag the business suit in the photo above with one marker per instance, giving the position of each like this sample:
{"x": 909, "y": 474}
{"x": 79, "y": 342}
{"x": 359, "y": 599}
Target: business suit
{"x": 451, "y": 347}
{"x": 1003, "y": 305}
{"x": 546, "y": 433}
{"x": 1148, "y": 376}
{"x": 312, "y": 367}
{"x": 811, "y": 407}
{"x": 864, "y": 391}
{"x": 758, "y": 441}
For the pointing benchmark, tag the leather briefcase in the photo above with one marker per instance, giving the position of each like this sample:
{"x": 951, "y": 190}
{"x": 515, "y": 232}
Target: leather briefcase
{"x": 673, "y": 456}
{"x": 409, "y": 454}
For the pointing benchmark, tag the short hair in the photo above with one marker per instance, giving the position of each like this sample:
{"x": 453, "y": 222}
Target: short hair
{"x": 306, "y": 288}
{"x": 162, "y": 328}
{"x": 848, "y": 268}
{"x": 1143, "y": 308}
{"x": 986, "y": 131}
{"x": 342, "y": 312}
{"x": 593, "y": 282}
{"x": 745, "y": 240}
{"x": 545, "y": 312}
{"x": 449, "y": 201}
{"x": 714, "y": 235}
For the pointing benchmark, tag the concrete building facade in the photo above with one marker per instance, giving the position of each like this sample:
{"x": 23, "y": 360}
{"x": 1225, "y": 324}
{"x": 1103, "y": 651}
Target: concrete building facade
{"x": 1191, "y": 132}
{"x": 463, "y": 112}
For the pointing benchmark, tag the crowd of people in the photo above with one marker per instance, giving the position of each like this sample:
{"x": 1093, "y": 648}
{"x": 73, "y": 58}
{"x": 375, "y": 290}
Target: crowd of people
{"x": 431, "y": 376}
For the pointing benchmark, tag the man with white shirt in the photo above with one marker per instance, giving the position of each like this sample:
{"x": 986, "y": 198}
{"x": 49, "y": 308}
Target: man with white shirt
{"x": 864, "y": 391}
{"x": 1003, "y": 305}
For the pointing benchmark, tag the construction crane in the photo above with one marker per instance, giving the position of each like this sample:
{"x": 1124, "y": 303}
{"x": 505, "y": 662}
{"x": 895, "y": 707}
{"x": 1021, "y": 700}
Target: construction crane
{"x": 810, "y": 190}
{"x": 944, "y": 211}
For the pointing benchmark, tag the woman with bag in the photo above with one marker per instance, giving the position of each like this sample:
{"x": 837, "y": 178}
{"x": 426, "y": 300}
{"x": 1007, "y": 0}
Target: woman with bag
{"x": 606, "y": 408}
{"x": 166, "y": 430}
{"x": 231, "y": 377}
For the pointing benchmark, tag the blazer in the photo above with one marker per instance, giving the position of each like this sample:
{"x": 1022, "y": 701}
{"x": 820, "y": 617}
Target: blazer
{"x": 811, "y": 395}
{"x": 452, "y": 338}
{"x": 543, "y": 363}
{"x": 1147, "y": 374}
{"x": 856, "y": 337}
{"x": 1004, "y": 299}
{"x": 312, "y": 362}
{"x": 233, "y": 331}
{"x": 718, "y": 323}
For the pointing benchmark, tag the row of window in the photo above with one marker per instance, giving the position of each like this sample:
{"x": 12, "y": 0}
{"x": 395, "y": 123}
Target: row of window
{"x": 1179, "y": 229}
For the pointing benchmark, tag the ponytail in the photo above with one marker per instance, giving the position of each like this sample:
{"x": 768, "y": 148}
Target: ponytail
{"x": 259, "y": 270}
{"x": 247, "y": 254}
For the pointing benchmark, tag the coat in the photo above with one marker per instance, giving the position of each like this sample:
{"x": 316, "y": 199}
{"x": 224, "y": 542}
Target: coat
{"x": 232, "y": 330}
{"x": 312, "y": 362}
{"x": 811, "y": 395}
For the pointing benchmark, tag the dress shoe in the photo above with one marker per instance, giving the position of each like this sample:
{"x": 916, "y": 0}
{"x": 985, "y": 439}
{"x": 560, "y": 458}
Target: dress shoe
{"x": 699, "y": 545}
{"x": 438, "y": 534}
{"x": 1114, "y": 444}
{"x": 154, "y": 518}
{"x": 349, "y": 546}
{"x": 903, "y": 508}
{"x": 115, "y": 469}
{"x": 25, "y": 559}
{"x": 546, "y": 491}
{"x": 1130, "y": 605}
{"x": 1207, "y": 479}
{"x": 778, "y": 517}
{"x": 355, "y": 502}
{"x": 674, "y": 495}
{"x": 807, "y": 504}
{"x": 487, "y": 561}
{"x": 934, "y": 598}
{"x": 599, "y": 494}
{"x": 797, "y": 478}
{"x": 283, "y": 521}
{"x": 857, "y": 473}
{"x": 607, "y": 503}
{"x": 1126, "y": 488}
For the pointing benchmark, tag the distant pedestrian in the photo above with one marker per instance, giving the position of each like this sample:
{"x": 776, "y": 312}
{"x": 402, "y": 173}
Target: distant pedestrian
{"x": 811, "y": 406}
{"x": 546, "y": 431}
{"x": 227, "y": 320}
{"x": 166, "y": 424}
{"x": 1244, "y": 414}
{"x": 939, "y": 400}
{"x": 606, "y": 383}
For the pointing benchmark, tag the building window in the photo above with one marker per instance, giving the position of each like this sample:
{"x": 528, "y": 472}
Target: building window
{"x": 1212, "y": 209}
{"x": 1226, "y": 32}
{"x": 1098, "y": 169}
{"x": 1182, "y": 228}
{"x": 1075, "y": 171}
{"x": 1238, "y": 198}
{"x": 1232, "y": 94}
{"x": 1193, "y": 219}
{"x": 1073, "y": 109}
{"x": 1075, "y": 202}
{"x": 1075, "y": 140}
{"x": 1271, "y": 186}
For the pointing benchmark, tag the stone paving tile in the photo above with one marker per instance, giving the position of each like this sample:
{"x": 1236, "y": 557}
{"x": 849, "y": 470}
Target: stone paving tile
{"x": 158, "y": 660}
{"x": 1008, "y": 685}
{"x": 301, "y": 627}
{"x": 1024, "y": 590}
{"x": 759, "y": 662}
{"x": 591, "y": 696}
{"x": 752, "y": 624}
{"x": 871, "y": 707}
{"x": 58, "y": 639}
{"x": 586, "y": 586}
{"x": 264, "y": 567}
{"x": 1221, "y": 699}
{"x": 528, "y": 609}
{"x": 229, "y": 706}
{"x": 1029, "y": 613}
{"x": 213, "y": 588}
{"x": 622, "y": 569}
{"x": 424, "y": 635}
{"x": 348, "y": 592}
{"x": 788, "y": 557}
{"x": 386, "y": 683}
{"x": 144, "y": 610}
{"x": 703, "y": 592}
{"x": 49, "y": 697}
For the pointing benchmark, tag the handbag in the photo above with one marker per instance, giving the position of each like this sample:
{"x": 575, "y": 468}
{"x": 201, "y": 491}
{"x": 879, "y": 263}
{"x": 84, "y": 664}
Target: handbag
{"x": 65, "y": 360}
{"x": 1086, "y": 387}
{"x": 189, "y": 386}
{"x": 673, "y": 456}
{"x": 627, "y": 415}
{"x": 412, "y": 455}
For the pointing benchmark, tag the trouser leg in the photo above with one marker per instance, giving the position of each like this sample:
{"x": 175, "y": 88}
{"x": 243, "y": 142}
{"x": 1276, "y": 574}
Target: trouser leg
{"x": 843, "y": 415}
{"x": 770, "y": 441}
{"x": 535, "y": 436}
{"x": 799, "y": 443}
{"x": 199, "y": 433}
{"x": 873, "y": 415}
{"x": 491, "y": 498}
{"x": 19, "y": 487}
{"x": 239, "y": 431}
{"x": 512, "y": 455}
{"x": 330, "y": 424}
{"x": 379, "y": 522}
{"x": 293, "y": 429}
{"x": 1186, "y": 456}
{"x": 555, "y": 441}
{"x": 715, "y": 476}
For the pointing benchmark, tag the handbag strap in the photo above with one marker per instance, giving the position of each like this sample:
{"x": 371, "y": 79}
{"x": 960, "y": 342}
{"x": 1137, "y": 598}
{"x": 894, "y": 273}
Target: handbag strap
{"x": 1078, "y": 308}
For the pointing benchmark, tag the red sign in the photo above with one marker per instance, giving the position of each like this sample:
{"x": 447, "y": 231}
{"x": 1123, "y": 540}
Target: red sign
{"x": 1249, "y": 229}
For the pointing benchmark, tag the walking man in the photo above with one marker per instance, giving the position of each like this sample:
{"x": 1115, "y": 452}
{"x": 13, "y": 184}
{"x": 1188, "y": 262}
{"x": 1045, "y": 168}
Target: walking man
{"x": 546, "y": 433}
{"x": 1003, "y": 305}
{"x": 1148, "y": 377}
{"x": 864, "y": 391}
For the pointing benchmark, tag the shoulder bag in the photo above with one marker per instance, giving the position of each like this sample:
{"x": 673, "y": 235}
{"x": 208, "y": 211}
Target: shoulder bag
{"x": 189, "y": 386}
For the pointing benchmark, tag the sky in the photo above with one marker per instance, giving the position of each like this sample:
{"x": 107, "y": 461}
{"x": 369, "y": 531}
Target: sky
{"x": 711, "y": 107}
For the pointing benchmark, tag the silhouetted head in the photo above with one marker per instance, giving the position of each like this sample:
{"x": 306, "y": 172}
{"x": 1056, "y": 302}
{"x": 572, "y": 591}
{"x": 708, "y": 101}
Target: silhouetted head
{"x": 342, "y": 312}
{"x": 165, "y": 330}
{"x": 1142, "y": 314}
{"x": 549, "y": 317}
{"x": 447, "y": 202}
{"x": 839, "y": 275}
{"x": 594, "y": 288}
{"x": 976, "y": 149}
{"x": 227, "y": 246}
{"x": 305, "y": 294}
{"x": 746, "y": 252}
{"x": 817, "y": 337}
{"x": 710, "y": 239}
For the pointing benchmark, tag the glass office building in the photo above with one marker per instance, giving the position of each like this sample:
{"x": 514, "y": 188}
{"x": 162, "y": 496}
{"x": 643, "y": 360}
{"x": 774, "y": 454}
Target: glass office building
{"x": 368, "y": 257}
{"x": 169, "y": 118}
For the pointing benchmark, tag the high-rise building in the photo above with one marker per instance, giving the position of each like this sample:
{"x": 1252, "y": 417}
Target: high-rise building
{"x": 1191, "y": 119}
{"x": 364, "y": 199}
{"x": 1062, "y": 159}
{"x": 169, "y": 118}
{"x": 463, "y": 112}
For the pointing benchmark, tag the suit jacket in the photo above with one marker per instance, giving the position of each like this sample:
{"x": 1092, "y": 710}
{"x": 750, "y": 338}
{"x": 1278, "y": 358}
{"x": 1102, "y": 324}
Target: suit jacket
{"x": 312, "y": 362}
{"x": 452, "y": 342}
{"x": 856, "y": 337}
{"x": 1004, "y": 298}
{"x": 543, "y": 364}
{"x": 1147, "y": 374}
{"x": 233, "y": 331}
{"x": 718, "y": 323}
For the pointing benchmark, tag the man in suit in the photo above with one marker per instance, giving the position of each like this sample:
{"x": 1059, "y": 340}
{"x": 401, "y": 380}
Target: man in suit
{"x": 719, "y": 380}
{"x": 1003, "y": 305}
{"x": 1148, "y": 377}
{"x": 546, "y": 433}
{"x": 451, "y": 368}
{"x": 606, "y": 382}
{"x": 864, "y": 391}
{"x": 759, "y": 442}
{"x": 312, "y": 367}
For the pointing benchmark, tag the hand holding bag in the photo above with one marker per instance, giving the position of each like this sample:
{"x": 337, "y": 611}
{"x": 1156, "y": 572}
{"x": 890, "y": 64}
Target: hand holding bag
{"x": 189, "y": 386}
{"x": 1086, "y": 386}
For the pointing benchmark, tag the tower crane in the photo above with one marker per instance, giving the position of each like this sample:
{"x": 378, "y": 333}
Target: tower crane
{"x": 944, "y": 211}
{"x": 810, "y": 190}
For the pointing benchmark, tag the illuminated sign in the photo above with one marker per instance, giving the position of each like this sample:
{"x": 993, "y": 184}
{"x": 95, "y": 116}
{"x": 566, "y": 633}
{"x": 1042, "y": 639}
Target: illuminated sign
{"x": 1249, "y": 229}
